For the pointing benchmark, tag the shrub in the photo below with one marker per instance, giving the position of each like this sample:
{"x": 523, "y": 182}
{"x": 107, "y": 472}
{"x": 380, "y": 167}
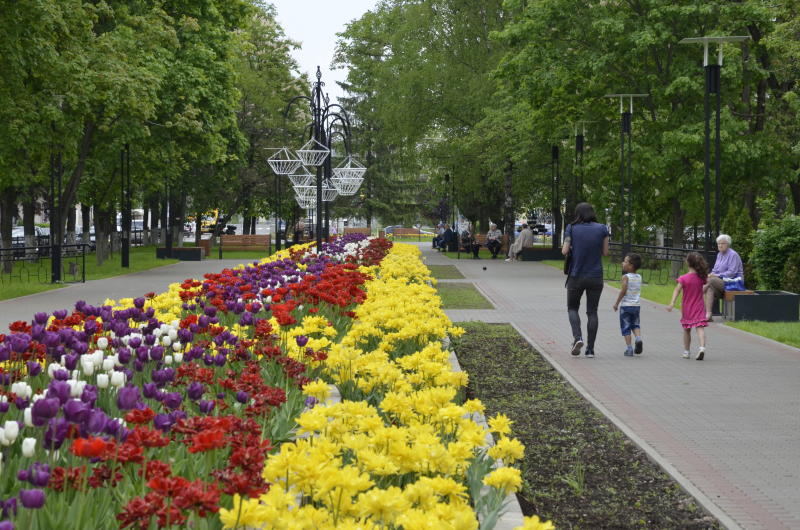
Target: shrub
{"x": 790, "y": 279}
{"x": 772, "y": 249}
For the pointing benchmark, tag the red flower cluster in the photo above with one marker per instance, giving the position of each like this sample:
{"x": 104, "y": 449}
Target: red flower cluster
{"x": 171, "y": 501}
{"x": 338, "y": 285}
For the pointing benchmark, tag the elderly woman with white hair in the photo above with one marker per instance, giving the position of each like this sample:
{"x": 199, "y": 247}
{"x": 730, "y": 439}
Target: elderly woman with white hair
{"x": 728, "y": 265}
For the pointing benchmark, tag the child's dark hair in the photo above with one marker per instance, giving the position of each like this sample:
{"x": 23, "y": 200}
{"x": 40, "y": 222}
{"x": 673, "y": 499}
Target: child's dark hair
{"x": 635, "y": 260}
{"x": 698, "y": 263}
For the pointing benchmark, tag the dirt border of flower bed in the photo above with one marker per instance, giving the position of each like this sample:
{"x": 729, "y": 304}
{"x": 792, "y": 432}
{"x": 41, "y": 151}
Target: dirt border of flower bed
{"x": 702, "y": 499}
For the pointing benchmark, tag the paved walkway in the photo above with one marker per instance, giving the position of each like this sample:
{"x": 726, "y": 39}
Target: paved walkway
{"x": 728, "y": 428}
{"x": 96, "y": 291}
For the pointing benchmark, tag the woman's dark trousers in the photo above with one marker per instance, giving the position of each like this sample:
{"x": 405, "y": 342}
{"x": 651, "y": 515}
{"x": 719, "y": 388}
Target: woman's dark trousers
{"x": 593, "y": 287}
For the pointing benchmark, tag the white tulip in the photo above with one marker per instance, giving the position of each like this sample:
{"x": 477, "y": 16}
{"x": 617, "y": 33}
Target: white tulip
{"x": 102, "y": 343}
{"x": 179, "y": 357}
{"x": 269, "y": 299}
{"x": 173, "y": 334}
{"x": 21, "y": 389}
{"x": 36, "y": 398}
{"x": 168, "y": 359}
{"x": 76, "y": 388}
{"x": 177, "y": 346}
{"x": 175, "y": 323}
{"x": 12, "y": 430}
{"x": 157, "y": 332}
{"x": 27, "y": 418}
{"x": 51, "y": 369}
{"x": 165, "y": 340}
{"x": 117, "y": 379}
{"x": 102, "y": 380}
{"x": 88, "y": 369}
{"x": 125, "y": 340}
{"x": 108, "y": 364}
{"x": 97, "y": 358}
{"x": 28, "y": 447}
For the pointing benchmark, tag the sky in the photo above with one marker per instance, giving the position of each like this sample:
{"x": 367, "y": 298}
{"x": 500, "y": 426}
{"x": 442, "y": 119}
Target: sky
{"x": 314, "y": 24}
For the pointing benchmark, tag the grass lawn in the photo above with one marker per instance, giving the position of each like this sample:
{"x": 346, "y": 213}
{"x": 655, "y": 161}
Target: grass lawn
{"x": 579, "y": 470}
{"x": 141, "y": 258}
{"x": 445, "y": 272}
{"x": 483, "y": 253}
{"x": 785, "y": 332}
{"x": 462, "y": 296}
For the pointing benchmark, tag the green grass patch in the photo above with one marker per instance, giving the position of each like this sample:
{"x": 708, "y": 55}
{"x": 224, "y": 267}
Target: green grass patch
{"x": 785, "y": 332}
{"x": 579, "y": 470}
{"x": 462, "y": 296}
{"x": 141, "y": 258}
{"x": 482, "y": 253}
{"x": 445, "y": 272}
{"x": 245, "y": 255}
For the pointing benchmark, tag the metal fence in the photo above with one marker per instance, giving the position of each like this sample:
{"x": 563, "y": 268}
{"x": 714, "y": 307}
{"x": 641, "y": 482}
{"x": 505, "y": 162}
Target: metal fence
{"x": 21, "y": 264}
{"x": 660, "y": 265}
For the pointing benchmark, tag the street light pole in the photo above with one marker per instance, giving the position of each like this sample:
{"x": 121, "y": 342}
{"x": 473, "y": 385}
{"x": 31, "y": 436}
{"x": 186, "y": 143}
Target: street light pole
{"x": 125, "y": 181}
{"x": 713, "y": 85}
{"x": 555, "y": 198}
{"x": 626, "y": 169}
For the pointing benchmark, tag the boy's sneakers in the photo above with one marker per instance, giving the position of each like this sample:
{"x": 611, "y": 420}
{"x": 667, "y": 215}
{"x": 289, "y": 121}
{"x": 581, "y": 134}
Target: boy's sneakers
{"x": 638, "y": 348}
{"x": 589, "y": 354}
{"x": 628, "y": 352}
{"x": 700, "y": 354}
{"x": 576, "y": 347}
{"x": 686, "y": 355}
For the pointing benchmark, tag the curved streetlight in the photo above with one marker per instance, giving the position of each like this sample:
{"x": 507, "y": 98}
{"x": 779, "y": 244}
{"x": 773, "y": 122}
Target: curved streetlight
{"x": 315, "y": 153}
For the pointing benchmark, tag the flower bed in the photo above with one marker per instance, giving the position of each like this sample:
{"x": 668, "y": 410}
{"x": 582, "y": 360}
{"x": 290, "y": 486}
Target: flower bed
{"x": 162, "y": 411}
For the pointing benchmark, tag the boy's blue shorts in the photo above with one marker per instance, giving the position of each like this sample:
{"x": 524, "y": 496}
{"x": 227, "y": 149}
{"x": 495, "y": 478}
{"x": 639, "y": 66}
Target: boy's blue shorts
{"x": 628, "y": 319}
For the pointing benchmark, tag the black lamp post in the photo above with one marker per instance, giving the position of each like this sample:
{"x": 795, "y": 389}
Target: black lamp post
{"x": 713, "y": 82}
{"x": 625, "y": 168}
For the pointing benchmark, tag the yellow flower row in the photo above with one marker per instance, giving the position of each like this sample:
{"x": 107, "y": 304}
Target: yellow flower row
{"x": 396, "y": 450}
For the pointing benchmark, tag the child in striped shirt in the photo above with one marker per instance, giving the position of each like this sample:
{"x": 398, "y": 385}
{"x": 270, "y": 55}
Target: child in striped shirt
{"x": 628, "y": 303}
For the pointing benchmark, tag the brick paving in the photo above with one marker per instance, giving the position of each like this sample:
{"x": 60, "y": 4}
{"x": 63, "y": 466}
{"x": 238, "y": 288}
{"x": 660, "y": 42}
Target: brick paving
{"x": 727, "y": 428}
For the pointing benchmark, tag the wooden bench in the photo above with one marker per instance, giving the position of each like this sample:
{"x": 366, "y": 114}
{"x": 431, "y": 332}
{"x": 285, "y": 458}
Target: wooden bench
{"x": 405, "y": 232}
{"x": 246, "y": 242}
{"x": 768, "y": 306}
{"x": 358, "y": 230}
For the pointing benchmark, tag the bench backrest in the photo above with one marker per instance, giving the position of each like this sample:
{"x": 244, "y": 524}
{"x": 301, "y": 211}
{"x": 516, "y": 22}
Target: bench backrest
{"x": 250, "y": 240}
{"x": 357, "y": 230}
{"x": 401, "y": 232}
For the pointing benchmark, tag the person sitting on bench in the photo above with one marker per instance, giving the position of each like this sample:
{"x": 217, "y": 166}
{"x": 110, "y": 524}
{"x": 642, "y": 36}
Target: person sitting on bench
{"x": 493, "y": 240}
{"x": 469, "y": 244}
{"x": 449, "y": 240}
{"x": 728, "y": 266}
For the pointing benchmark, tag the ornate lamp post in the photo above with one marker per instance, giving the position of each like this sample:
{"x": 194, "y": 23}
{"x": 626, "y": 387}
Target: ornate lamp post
{"x": 625, "y": 168}
{"x": 315, "y": 153}
{"x": 712, "y": 87}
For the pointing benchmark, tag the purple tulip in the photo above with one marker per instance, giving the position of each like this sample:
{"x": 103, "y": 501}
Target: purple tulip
{"x": 143, "y": 354}
{"x": 41, "y": 318}
{"x": 9, "y": 507}
{"x": 22, "y": 403}
{"x": 112, "y": 427}
{"x": 246, "y": 320}
{"x": 4, "y": 352}
{"x": 210, "y": 311}
{"x": 61, "y": 314}
{"x": 56, "y": 431}
{"x": 51, "y": 339}
{"x": 124, "y": 355}
{"x": 4, "y": 407}
{"x": 95, "y": 421}
{"x": 157, "y": 353}
{"x": 34, "y": 368}
{"x": 128, "y": 397}
{"x": 163, "y": 422}
{"x": 19, "y": 342}
{"x": 207, "y": 406}
{"x": 203, "y": 321}
{"x": 75, "y": 411}
{"x": 43, "y": 410}
{"x": 310, "y": 402}
{"x": 149, "y": 390}
{"x": 195, "y": 390}
{"x": 301, "y": 340}
{"x": 135, "y": 342}
{"x": 32, "y": 499}
{"x": 58, "y": 389}
{"x": 172, "y": 400}
{"x": 70, "y": 361}
{"x": 60, "y": 375}
{"x": 242, "y": 396}
{"x": 6, "y": 525}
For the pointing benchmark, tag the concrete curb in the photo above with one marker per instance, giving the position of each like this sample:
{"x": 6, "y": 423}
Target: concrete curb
{"x": 704, "y": 501}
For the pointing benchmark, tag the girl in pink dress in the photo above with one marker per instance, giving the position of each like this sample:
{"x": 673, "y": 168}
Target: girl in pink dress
{"x": 693, "y": 308}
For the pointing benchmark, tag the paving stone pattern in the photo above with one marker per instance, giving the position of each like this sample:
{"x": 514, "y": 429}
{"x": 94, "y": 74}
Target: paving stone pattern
{"x": 728, "y": 428}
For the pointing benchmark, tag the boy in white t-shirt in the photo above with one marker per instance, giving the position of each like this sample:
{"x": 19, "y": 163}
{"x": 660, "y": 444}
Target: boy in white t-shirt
{"x": 628, "y": 303}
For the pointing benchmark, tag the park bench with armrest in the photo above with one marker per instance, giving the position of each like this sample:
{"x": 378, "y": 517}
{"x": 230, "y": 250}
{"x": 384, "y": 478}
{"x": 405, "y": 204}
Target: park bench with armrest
{"x": 246, "y": 242}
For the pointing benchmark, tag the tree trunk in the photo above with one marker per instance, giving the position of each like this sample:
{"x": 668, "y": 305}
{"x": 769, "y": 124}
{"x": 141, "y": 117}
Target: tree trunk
{"x": 84, "y": 148}
{"x": 794, "y": 187}
{"x": 100, "y": 235}
{"x": 8, "y": 210}
{"x": 145, "y": 224}
{"x": 71, "y": 221}
{"x": 198, "y": 228}
{"x": 86, "y": 220}
{"x": 245, "y": 225}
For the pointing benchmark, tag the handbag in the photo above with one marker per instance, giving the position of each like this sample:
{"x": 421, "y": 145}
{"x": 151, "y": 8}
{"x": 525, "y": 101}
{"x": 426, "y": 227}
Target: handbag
{"x": 568, "y": 257}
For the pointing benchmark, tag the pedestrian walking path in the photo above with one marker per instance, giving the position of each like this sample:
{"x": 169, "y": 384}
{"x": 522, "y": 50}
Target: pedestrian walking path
{"x": 96, "y": 291}
{"x": 727, "y": 428}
